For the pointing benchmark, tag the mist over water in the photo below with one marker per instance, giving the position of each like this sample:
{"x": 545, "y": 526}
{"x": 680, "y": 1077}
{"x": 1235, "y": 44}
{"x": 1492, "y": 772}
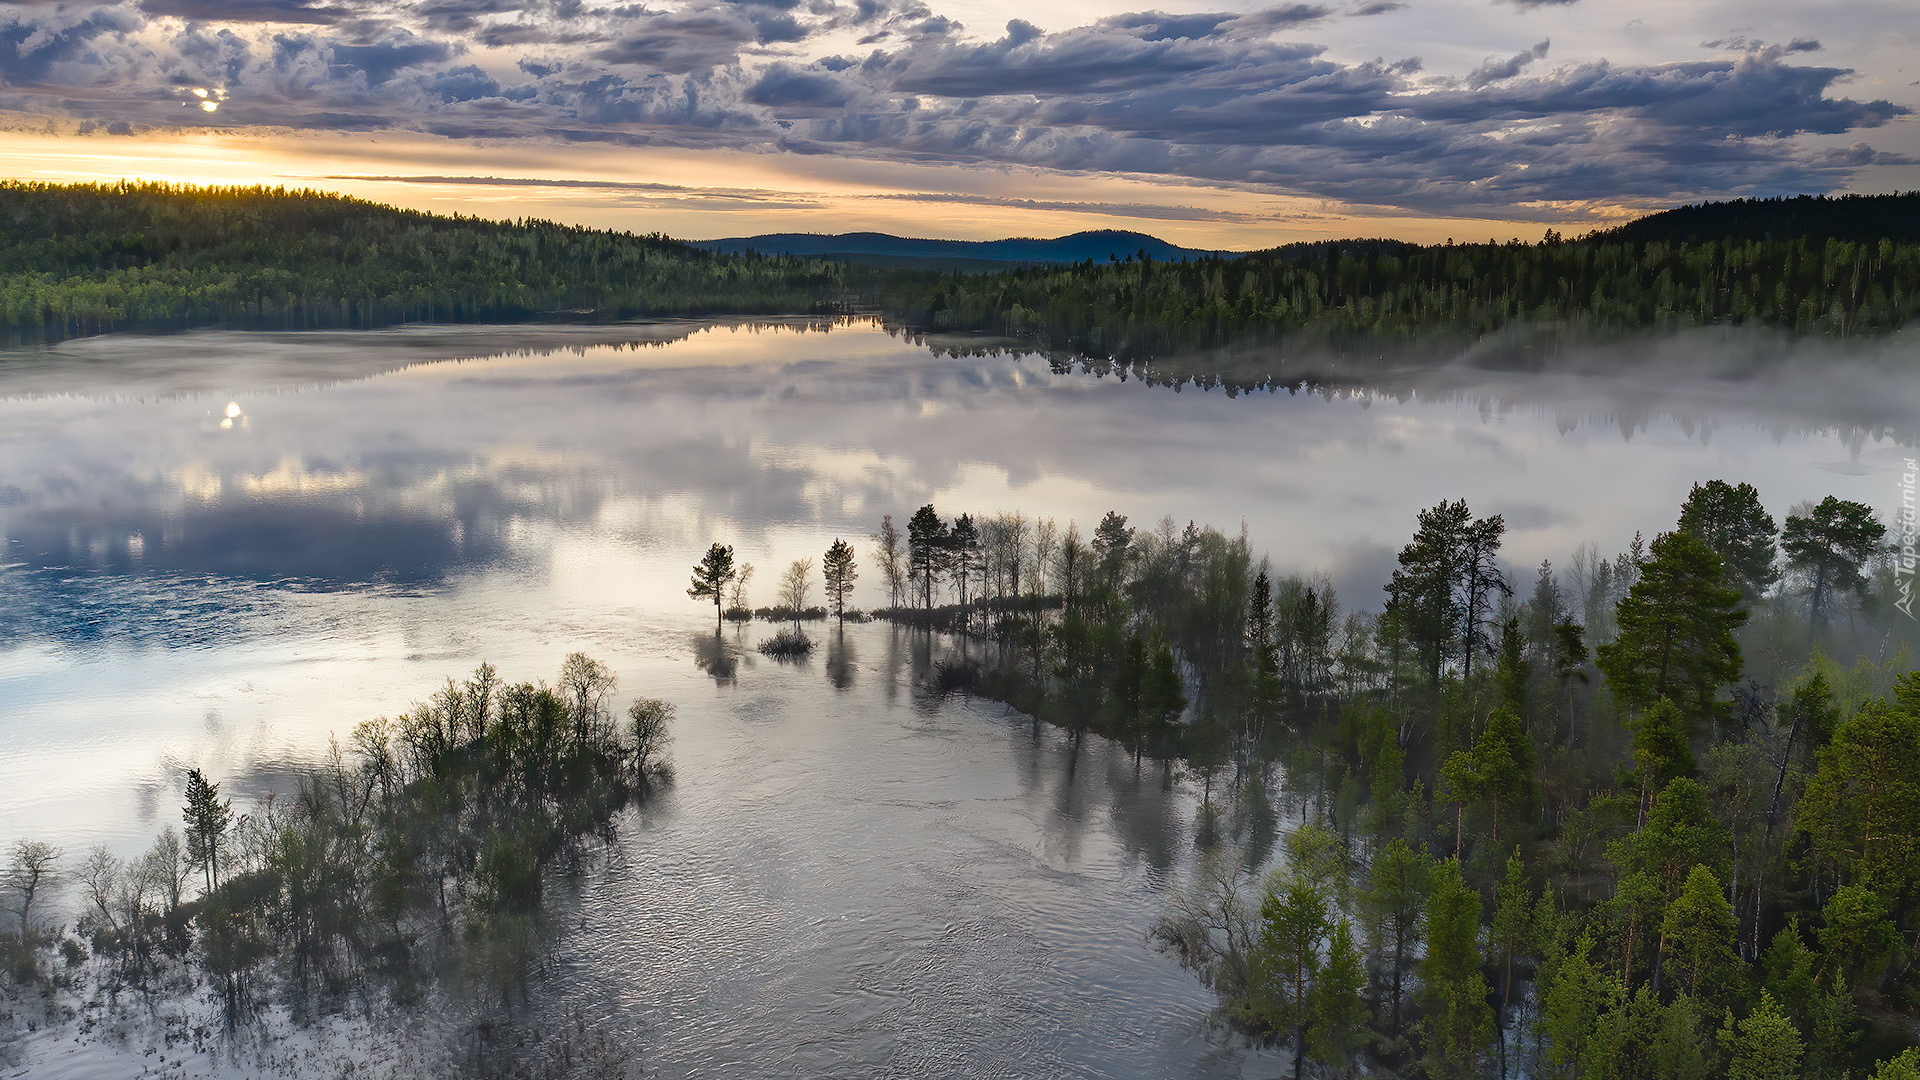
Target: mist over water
{"x": 219, "y": 548}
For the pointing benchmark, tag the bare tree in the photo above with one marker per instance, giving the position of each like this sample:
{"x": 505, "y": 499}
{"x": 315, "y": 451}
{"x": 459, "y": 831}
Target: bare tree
{"x": 795, "y": 584}
{"x": 33, "y": 870}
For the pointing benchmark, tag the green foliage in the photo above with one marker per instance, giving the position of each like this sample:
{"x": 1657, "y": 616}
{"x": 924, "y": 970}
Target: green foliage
{"x": 1574, "y": 993}
{"x": 1339, "y": 1019}
{"x": 1680, "y": 832}
{"x": 1906, "y": 1066}
{"x": 839, "y": 569}
{"x": 1392, "y": 903}
{"x": 1763, "y": 1045}
{"x": 1828, "y": 546}
{"x": 1857, "y": 933}
{"x": 1731, "y": 522}
{"x": 1676, "y": 631}
{"x": 1861, "y": 810}
{"x": 1697, "y": 938}
{"x": 1661, "y": 753}
{"x": 711, "y": 576}
{"x": 1453, "y": 992}
{"x": 87, "y": 258}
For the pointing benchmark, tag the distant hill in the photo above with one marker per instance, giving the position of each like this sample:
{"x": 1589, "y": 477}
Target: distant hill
{"x": 884, "y": 249}
{"x": 1815, "y": 217}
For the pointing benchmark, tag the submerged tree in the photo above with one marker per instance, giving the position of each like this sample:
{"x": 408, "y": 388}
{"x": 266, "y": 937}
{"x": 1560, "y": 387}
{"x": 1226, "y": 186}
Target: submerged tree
{"x": 796, "y": 584}
{"x": 710, "y": 578}
{"x": 839, "y": 570}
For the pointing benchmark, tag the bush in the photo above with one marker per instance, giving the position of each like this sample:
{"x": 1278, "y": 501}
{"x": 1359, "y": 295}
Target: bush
{"x": 787, "y": 644}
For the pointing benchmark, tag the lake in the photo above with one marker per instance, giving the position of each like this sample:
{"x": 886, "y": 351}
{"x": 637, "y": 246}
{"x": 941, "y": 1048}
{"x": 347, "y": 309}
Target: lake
{"x": 221, "y": 548}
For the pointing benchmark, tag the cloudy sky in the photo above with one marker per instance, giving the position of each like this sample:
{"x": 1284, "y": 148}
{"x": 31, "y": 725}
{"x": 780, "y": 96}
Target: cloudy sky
{"x": 1217, "y": 124}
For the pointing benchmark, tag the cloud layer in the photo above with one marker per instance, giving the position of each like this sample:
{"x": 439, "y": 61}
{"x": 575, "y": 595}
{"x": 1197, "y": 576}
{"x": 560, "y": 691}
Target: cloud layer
{"x": 1236, "y": 98}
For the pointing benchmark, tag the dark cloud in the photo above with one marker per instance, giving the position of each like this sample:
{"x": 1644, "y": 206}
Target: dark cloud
{"x": 1494, "y": 70}
{"x": 1144, "y": 211}
{"x": 1218, "y": 96}
{"x": 1743, "y": 43}
{"x": 250, "y": 11}
{"x": 1378, "y": 7}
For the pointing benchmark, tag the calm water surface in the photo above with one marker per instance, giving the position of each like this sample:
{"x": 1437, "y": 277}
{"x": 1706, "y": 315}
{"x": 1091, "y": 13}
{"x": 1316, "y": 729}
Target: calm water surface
{"x": 220, "y": 548}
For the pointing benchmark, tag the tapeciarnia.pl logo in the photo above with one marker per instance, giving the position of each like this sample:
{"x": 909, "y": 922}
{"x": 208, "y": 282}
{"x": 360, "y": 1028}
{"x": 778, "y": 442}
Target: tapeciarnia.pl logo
{"x": 1907, "y": 525}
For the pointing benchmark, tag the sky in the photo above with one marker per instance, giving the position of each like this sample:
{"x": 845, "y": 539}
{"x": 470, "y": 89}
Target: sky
{"x": 1211, "y": 124}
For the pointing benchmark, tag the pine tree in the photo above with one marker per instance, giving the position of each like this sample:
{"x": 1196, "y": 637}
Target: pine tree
{"x": 710, "y": 578}
{"x": 1453, "y": 992}
{"x": 1763, "y": 1045}
{"x": 837, "y": 566}
{"x": 1676, "y": 632}
{"x": 1731, "y": 521}
{"x": 1862, "y": 807}
{"x": 1393, "y": 900}
{"x": 1696, "y": 937}
{"x": 1660, "y": 750}
{"x": 1829, "y": 545}
{"x": 1574, "y": 993}
{"x": 207, "y": 821}
{"x": 1339, "y": 1027}
{"x": 1285, "y": 964}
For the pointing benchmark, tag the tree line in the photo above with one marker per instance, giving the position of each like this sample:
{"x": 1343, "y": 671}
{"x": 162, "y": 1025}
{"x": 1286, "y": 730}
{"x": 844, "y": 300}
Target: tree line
{"x": 419, "y": 855}
{"x": 80, "y": 259}
{"x": 1655, "y": 815}
{"x": 84, "y": 259}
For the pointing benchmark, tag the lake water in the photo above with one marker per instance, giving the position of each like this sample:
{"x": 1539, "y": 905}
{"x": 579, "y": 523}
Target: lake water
{"x": 219, "y": 548}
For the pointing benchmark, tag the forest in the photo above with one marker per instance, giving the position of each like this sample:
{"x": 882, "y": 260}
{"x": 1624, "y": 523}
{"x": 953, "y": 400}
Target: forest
{"x": 1651, "y": 814}
{"x": 416, "y": 861}
{"x": 83, "y": 259}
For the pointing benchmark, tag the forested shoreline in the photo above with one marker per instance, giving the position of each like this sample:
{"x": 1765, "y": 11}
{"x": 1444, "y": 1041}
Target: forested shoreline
{"x": 1651, "y": 815}
{"x": 416, "y": 863}
{"x": 85, "y": 259}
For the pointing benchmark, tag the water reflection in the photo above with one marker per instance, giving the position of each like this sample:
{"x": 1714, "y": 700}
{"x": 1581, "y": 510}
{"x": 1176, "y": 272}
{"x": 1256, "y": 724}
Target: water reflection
{"x": 859, "y": 868}
{"x": 842, "y": 659}
{"x": 718, "y": 656}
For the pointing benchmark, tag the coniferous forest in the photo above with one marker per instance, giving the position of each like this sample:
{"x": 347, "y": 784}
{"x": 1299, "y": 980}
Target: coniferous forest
{"x": 86, "y": 259}
{"x": 1650, "y": 814}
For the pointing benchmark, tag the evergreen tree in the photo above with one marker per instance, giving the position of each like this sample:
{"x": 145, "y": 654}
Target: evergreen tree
{"x": 1681, "y": 832}
{"x": 1676, "y": 631}
{"x": 1422, "y": 596}
{"x": 1339, "y": 1027}
{"x": 1574, "y": 993}
{"x": 1696, "y": 937}
{"x": 1862, "y": 807}
{"x": 1511, "y": 934}
{"x": 927, "y": 542}
{"x": 710, "y": 578}
{"x": 1286, "y": 962}
{"x": 1660, "y": 751}
{"x": 1731, "y": 521}
{"x": 207, "y": 821}
{"x": 1905, "y": 1066}
{"x": 1763, "y": 1045}
{"x": 840, "y": 572}
{"x": 1392, "y": 902}
{"x": 1829, "y": 545}
{"x": 1452, "y": 990}
{"x": 1680, "y": 1047}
